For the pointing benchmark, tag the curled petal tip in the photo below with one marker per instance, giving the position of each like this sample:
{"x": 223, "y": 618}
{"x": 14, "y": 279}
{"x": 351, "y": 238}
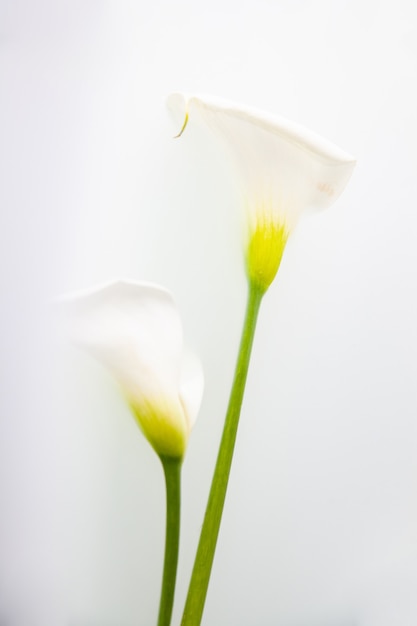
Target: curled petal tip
{"x": 178, "y": 105}
{"x": 183, "y": 126}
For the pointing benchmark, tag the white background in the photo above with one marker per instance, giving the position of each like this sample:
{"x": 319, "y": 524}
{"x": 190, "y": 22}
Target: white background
{"x": 320, "y": 527}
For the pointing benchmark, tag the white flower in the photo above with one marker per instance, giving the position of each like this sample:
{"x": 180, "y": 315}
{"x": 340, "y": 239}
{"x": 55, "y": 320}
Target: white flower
{"x": 284, "y": 168}
{"x": 135, "y": 331}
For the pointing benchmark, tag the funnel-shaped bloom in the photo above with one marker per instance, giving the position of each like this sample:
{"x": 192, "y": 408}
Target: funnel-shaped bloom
{"x": 284, "y": 169}
{"x": 134, "y": 330}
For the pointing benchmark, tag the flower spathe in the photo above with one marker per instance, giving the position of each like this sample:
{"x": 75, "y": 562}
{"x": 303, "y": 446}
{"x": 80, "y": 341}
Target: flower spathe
{"x": 134, "y": 330}
{"x": 284, "y": 169}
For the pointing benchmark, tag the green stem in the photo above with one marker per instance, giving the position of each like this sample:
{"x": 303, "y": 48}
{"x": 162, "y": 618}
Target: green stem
{"x": 172, "y": 471}
{"x": 200, "y": 577}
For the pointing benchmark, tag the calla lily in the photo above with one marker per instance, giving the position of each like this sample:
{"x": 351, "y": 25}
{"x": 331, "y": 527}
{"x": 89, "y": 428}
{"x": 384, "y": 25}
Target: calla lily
{"x": 134, "y": 330}
{"x": 284, "y": 170}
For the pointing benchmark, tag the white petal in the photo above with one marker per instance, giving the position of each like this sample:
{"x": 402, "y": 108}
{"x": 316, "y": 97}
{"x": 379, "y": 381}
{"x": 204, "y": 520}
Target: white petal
{"x": 134, "y": 329}
{"x": 191, "y": 386}
{"x": 283, "y": 166}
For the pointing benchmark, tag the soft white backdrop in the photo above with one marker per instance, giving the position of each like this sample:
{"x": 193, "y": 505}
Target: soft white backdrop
{"x": 320, "y": 526}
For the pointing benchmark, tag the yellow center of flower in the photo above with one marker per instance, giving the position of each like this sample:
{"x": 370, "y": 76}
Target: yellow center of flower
{"x": 163, "y": 422}
{"x": 266, "y": 242}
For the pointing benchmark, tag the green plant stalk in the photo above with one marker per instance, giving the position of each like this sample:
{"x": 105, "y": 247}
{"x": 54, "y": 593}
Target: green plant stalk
{"x": 200, "y": 577}
{"x": 172, "y": 471}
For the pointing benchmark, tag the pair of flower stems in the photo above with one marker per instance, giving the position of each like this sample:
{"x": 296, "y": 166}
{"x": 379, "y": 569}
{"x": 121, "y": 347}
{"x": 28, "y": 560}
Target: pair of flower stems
{"x": 133, "y": 328}
{"x": 200, "y": 577}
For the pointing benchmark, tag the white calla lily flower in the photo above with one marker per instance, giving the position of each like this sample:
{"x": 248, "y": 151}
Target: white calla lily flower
{"x": 135, "y": 331}
{"x": 284, "y": 168}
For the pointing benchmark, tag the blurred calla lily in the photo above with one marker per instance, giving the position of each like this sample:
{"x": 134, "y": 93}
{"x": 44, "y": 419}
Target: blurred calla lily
{"x": 284, "y": 170}
{"x": 134, "y": 330}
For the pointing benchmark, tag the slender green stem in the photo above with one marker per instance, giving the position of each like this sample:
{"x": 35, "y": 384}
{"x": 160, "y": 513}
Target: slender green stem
{"x": 205, "y": 553}
{"x": 172, "y": 471}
